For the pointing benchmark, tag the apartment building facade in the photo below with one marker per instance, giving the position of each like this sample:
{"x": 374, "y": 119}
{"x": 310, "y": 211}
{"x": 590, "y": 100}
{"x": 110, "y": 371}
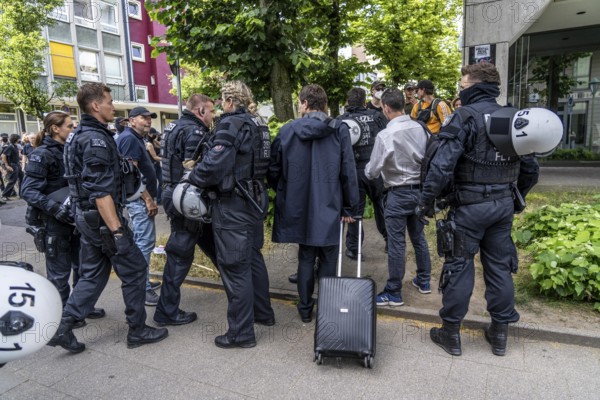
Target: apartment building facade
{"x": 103, "y": 41}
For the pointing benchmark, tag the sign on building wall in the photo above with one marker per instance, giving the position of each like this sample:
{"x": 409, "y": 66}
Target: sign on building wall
{"x": 482, "y": 52}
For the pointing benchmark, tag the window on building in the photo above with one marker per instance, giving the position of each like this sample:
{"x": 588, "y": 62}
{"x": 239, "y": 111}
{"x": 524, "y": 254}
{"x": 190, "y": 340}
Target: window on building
{"x": 88, "y": 65}
{"x": 86, "y": 13}
{"x": 141, "y": 93}
{"x": 114, "y": 69}
{"x": 109, "y": 17}
{"x": 134, "y": 9}
{"x": 8, "y": 118}
{"x": 111, "y": 43}
{"x": 63, "y": 61}
{"x": 137, "y": 52}
{"x": 86, "y": 37}
{"x": 581, "y": 72}
{"x": 119, "y": 93}
{"x": 60, "y": 13}
{"x": 60, "y": 32}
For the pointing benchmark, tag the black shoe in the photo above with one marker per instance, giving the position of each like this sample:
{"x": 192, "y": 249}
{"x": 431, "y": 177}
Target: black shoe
{"x": 155, "y": 285}
{"x": 497, "y": 335}
{"x": 224, "y": 343}
{"x": 145, "y": 335}
{"x": 293, "y": 278}
{"x": 151, "y": 298}
{"x": 265, "y": 322}
{"x": 97, "y": 313}
{"x": 79, "y": 324}
{"x": 448, "y": 338}
{"x": 181, "y": 318}
{"x": 65, "y": 338}
{"x": 353, "y": 255}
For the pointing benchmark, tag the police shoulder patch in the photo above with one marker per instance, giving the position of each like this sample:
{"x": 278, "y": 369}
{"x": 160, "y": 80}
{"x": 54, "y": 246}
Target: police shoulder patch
{"x": 35, "y": 158}
{"x": 97, "y": 142}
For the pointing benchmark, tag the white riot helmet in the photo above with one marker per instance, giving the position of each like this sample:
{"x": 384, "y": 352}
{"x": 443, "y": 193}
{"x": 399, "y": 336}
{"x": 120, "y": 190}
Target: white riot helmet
{"x": 355, "y": 127}
{"x": 519, "y": 132}
{"x": 30, "y": 311}
{"x": 190, "y": 202}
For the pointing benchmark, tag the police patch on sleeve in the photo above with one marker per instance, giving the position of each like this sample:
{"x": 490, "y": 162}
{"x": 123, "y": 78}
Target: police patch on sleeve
{"x": 98, "y": 143}
{"x": 35, "y": 158}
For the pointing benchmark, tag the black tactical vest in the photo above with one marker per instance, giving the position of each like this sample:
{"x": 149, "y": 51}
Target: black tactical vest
{"x": 48, "y": 156}
{"x": 73, "y": 156}
{"x": 369, "y": 122}
{"x": 254, "y": 153}
{"x": 481, "y": 163}
{"x": 174, "y": 144}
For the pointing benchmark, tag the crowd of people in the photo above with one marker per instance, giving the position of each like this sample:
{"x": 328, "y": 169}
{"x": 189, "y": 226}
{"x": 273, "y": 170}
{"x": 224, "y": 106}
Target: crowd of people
{"x": 321, "y": 169}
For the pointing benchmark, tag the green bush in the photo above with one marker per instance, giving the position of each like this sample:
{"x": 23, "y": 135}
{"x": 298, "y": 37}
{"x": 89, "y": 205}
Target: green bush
{"x": 574, "y": 154}
{"x": 565, "y": 242}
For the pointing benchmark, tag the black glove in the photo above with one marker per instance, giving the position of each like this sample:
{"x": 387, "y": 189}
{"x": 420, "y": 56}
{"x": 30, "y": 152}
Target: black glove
{"x": 424, "y": 211}
{"x": 123, "y": 243}
{"x": 63, "y": 214}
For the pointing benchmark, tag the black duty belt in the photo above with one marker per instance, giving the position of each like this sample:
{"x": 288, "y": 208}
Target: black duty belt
{"x": 415, "y": 186}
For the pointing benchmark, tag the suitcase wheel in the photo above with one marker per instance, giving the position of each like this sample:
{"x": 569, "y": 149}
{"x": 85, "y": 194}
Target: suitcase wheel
{"x": 368, "y": 362}
{"x": 318, "y": 358}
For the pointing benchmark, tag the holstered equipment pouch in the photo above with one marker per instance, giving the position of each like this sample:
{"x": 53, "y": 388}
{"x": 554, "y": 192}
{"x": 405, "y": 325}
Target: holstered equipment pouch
{"x": 445, "y": 237}
{"x": 109, "y": 246}
{"x": 39, "y": 237}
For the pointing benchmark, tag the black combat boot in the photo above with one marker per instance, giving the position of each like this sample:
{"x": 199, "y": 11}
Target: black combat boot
{"x": 496, "y": 335}
{"x": 448, "y": 338}
{"x": 65, "y": 338}
{"x": 145, "y": 335}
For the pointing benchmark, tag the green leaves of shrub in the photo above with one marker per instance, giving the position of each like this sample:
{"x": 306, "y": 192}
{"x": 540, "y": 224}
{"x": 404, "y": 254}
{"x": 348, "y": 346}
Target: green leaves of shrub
{"x": 565, "y": 242}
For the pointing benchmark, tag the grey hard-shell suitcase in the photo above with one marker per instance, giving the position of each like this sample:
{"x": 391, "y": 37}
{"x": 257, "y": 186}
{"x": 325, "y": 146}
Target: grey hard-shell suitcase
{"x": 346, "y": 314}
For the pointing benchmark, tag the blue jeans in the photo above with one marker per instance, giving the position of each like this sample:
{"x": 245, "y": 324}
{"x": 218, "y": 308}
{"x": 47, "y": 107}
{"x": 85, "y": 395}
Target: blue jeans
{"x": 144, "y": 231}
{"x": 400, "y": 216}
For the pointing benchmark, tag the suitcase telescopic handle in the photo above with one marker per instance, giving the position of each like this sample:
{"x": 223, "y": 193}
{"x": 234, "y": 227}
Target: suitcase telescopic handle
{"x": 359, "y": 258}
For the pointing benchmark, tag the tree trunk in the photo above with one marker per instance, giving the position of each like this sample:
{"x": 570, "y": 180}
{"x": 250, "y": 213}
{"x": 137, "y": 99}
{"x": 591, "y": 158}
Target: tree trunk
{"x": 281, "y": 92}
{"x": 334, "y": 47}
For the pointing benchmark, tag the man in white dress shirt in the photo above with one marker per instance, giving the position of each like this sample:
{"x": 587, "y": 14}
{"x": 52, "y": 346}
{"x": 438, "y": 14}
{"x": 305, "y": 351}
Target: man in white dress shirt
{"x": 397, "y": 156}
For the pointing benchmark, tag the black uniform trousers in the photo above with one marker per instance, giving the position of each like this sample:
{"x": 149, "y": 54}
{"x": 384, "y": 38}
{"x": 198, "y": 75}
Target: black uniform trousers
{"x": 373, "y": 189}
{"x": 239, "y": 235}
{"x": 307, "y": 256}
{"x": 13, "y": 177}
{"x": 131, "y": 268}
{"x": 180, "y": 254}
{"x": 484, "y": 227}
{"x": 62, "y": 256}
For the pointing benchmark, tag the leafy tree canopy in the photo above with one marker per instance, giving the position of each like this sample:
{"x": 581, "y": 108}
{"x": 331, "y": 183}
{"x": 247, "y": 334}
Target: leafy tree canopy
{"x": 413, "y": 40}
{"x": 21, "y": 55}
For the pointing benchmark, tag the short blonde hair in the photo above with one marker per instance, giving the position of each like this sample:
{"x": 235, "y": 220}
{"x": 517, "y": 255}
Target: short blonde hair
{"x": 238, "y": 92}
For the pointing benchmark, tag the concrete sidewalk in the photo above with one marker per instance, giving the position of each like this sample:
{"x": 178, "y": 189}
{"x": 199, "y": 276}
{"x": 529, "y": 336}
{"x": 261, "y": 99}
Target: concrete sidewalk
{"x": 188, "y": 365}
{"x": 408, "y": 365}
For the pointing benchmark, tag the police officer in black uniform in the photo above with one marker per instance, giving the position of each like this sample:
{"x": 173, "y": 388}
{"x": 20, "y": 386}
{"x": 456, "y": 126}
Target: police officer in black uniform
{"x": 93, "y": 169}
{"x": 183, "y": 141}
{"x": 369, "y": 122}
{"x": 236, "y": 166}
{"x": 44, "y": 190}
{"x": 481, "y": 210}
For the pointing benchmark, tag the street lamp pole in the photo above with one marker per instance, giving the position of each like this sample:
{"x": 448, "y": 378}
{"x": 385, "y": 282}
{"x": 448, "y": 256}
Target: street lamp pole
{"x": 594, "y": 86}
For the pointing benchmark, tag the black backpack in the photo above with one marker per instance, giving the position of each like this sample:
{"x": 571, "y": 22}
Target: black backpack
{"x": 424, "y": 114}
